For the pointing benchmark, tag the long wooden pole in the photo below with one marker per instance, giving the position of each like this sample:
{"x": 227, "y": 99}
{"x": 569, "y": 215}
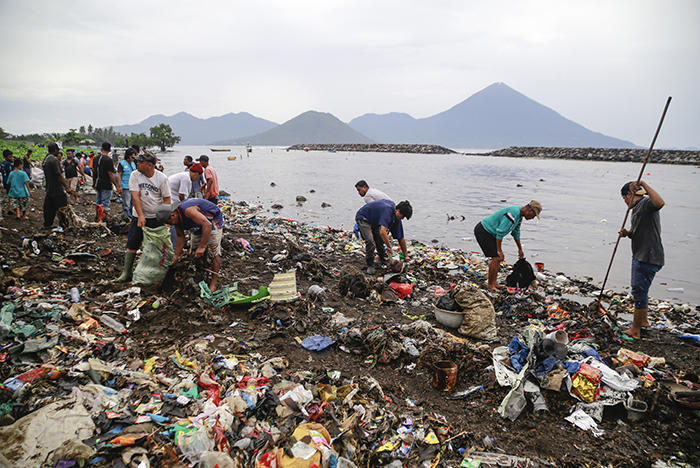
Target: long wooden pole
{"x": 629, "y": 205}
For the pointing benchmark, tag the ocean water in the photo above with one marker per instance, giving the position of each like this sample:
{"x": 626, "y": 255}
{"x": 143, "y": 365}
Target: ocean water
{"x": 450, "y": 194}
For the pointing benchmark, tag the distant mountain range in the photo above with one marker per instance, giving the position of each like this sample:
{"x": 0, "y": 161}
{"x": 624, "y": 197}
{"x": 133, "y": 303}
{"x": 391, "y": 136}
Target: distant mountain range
{"x": 495, "y": 117}
{"x": 196, "y": 131}
{"x": 309, "y": 127}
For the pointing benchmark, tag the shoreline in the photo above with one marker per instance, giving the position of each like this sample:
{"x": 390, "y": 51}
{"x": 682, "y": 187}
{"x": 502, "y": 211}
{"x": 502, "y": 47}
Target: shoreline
{"x": 658, "y": 156}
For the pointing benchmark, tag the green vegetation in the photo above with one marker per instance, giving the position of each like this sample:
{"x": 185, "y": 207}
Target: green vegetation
{"x": 161, "y": 136}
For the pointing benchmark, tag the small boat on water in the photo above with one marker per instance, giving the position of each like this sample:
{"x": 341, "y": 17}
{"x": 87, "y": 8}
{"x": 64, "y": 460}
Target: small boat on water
{"x": 215, "y": 149}
{"x": 232, "y": 158}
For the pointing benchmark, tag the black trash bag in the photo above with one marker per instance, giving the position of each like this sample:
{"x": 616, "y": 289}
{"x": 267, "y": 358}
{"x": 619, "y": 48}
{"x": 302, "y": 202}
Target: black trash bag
{"x": 522, "y": 276}
{"x": 447, "y": 302}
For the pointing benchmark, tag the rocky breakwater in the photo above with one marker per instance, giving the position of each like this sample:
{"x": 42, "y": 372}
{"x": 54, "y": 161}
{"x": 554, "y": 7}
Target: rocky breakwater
{"x": 374, "y": 147}
{"x": 601, "y": 154}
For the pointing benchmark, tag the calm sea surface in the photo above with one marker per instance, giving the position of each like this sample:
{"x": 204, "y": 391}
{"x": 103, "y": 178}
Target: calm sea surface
{"x": 582, "y": 206}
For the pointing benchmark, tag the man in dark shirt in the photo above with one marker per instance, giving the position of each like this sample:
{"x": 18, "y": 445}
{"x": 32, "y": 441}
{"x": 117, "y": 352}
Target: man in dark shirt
{"x": 27, "y": 166}
{"x": 105, "y": 177}
{"x": 375, "y": 220}
{"x": 647, "y": 250}
{"x": 71, "y": 169}
{"x": 55, "y": 198}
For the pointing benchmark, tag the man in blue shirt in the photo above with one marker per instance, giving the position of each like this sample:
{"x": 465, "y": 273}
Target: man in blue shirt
{"x": 206, "y": 223}
{"x": 491, "y": 230}
{"x": 375, "y": 220}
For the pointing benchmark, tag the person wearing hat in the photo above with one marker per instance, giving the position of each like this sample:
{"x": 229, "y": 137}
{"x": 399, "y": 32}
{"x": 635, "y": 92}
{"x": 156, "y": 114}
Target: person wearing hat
{"x": 56, "y": 187}
{"x": 205, "y": 221}
{"x": 647, "y": 250}
{"x": 491, "y": 230}
{"x": 150, "y": 190}
{"x": 212, "y": 188}
{"x": 181, "y": 183}
{"x": 375, "y": 221}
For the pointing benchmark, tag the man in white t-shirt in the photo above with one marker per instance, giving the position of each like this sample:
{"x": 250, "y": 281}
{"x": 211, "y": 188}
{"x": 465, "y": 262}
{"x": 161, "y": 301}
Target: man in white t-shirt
{"x": 181, "y": 183}
{"x": 150, "y": 190}
{"x": 370, "y": 194}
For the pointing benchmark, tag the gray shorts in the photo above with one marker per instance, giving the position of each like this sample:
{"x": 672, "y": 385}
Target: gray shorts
{"x": 214, "y": 243}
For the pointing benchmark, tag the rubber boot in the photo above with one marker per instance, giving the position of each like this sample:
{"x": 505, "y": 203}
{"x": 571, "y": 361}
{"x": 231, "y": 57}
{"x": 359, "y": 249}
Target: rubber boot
{"x": 128, "y": 265}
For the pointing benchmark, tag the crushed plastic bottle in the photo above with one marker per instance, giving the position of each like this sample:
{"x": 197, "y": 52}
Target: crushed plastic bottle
{"x": 74, "y": 295}
{"x": 113, "y": 324}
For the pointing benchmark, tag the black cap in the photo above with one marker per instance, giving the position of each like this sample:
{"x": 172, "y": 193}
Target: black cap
{"x": 147, "y": 157}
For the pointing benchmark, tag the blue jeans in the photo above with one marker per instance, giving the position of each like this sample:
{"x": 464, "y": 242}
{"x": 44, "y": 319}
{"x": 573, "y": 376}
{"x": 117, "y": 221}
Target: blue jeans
{"x": 127, "y": 204}
{"x": 642, "y": 275}
{"x": 103, "y": 198}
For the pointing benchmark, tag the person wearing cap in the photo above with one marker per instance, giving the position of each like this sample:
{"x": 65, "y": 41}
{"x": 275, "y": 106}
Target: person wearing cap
{"x": 104, "y": 178}
{"x": 56, "y": 187}
{"x": 125, "y": 167}
{"x": 212, "y": 188}
{"x": 647, "y": 249}
{"x": 375, "y": 220}
{"x": 205, "y": 221}
{"x": 150, "y": 190}
{"x": 181, "y": 183}
{"x": 491, "y": 230}
{"x": 370, "y": 194}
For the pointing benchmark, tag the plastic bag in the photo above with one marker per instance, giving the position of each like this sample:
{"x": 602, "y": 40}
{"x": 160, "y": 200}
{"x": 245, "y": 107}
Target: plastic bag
{"x": 479, "y": 315}
{"x": 156, "y": 257}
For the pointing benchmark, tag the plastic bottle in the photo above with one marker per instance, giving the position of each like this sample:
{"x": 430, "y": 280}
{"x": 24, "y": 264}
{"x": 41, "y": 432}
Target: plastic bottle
{"x": 74, "y": 295}
{"x": 113, "y": 324}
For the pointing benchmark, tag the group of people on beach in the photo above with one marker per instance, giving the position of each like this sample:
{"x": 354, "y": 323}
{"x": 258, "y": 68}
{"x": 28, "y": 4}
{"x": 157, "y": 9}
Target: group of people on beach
{"x": 149, "y": 200}
{"x": 380, "y": 217}
{"x": 188, "y": 201}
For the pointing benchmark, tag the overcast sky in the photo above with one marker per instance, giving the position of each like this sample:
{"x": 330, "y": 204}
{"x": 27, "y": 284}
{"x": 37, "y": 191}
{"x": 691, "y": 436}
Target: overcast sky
{"x": 607, "y": 65}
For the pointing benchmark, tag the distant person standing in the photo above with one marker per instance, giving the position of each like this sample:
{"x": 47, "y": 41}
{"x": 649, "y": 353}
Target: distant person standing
{"x": 647, "y": 249}
{"x": 27, "y": 164}
{"x": 370, "y": 194}
{"x": 212, "y": 188}
{"x": 55, "y": 198}
{"x": 104, "y": 177}
{"x": 72, "y": 168}
{"x": 124, "y": 169}
{"x": 491, "y": 230}
{"x": 6, "y": 167}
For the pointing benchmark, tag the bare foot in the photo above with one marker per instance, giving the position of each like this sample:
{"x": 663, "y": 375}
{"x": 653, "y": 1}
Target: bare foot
{"x": 25, "y": 217}
{"x": 496, "y": 287}
{"x": 646, "y": 325}
{"x": 631, "y": 333}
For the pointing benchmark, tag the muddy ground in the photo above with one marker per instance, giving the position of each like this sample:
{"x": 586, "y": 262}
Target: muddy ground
{"x": 183, "y": 318}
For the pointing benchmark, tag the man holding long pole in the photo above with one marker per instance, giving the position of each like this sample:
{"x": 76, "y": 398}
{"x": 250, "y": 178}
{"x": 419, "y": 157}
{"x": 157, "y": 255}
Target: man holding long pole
{"x": 647, "y": 250}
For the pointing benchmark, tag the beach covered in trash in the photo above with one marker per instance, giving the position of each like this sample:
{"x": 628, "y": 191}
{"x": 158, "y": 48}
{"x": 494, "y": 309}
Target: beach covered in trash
{"x": 336, "y": 369}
